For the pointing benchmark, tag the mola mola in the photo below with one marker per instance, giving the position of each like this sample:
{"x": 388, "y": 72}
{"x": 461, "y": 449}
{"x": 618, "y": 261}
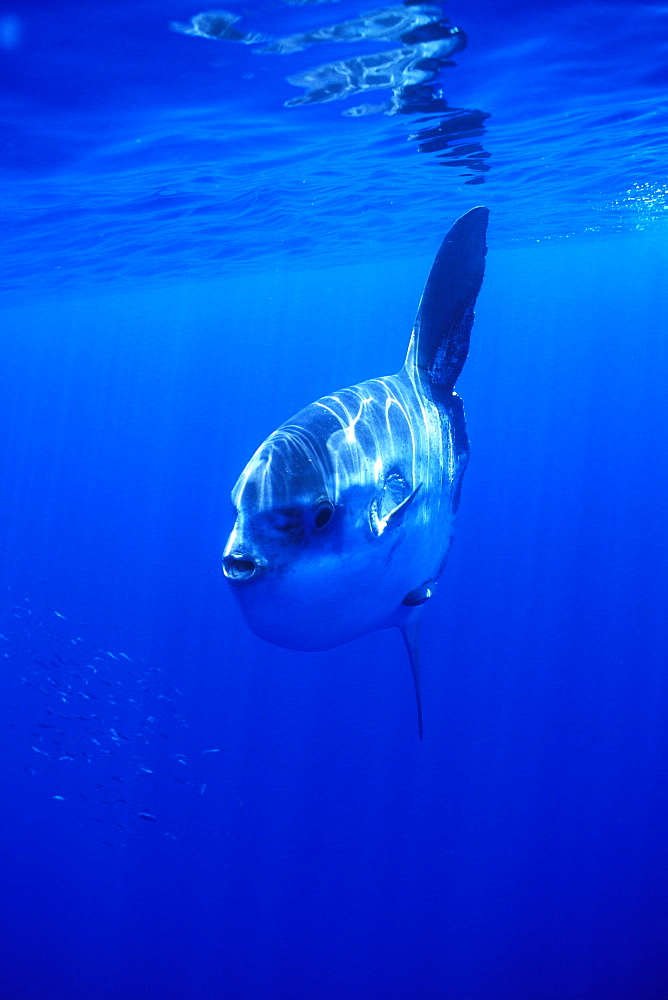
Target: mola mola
{"x": 345, "y": 514}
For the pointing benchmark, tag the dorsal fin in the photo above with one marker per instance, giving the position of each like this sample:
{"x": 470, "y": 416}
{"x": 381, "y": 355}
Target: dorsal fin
{"x": 440, "y": 341}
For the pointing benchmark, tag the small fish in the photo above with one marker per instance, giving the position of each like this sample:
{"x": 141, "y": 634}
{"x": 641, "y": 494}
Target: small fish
{"x": 58, "y": 798}
{"x": 58, "y": 615}
{"x": 214, "y": 750}
{"x": 149, "y": 817}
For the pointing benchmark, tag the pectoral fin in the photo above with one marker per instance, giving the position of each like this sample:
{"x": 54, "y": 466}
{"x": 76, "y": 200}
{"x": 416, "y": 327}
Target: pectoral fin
{"x": 380, "y": 524}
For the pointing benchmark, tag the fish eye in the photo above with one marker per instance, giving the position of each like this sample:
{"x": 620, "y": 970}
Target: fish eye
{"x": 323, "y": 514}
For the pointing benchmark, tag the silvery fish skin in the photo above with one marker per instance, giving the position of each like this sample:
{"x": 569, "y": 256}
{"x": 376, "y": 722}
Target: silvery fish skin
{"x": 345, "y": 514}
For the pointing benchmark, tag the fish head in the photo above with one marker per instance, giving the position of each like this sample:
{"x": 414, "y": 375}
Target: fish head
{"x": 315, "y": 555}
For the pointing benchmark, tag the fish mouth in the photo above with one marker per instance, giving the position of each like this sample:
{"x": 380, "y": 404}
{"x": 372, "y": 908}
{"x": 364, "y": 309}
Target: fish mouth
{"x": 240, "y": 567}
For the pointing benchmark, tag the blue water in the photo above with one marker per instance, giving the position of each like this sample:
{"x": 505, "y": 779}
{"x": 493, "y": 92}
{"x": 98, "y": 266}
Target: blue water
{"x": 190, "y": 813}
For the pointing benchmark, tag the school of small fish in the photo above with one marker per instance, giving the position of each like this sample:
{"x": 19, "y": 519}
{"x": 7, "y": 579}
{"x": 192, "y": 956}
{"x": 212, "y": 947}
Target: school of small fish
{"x": 97, "y": 731}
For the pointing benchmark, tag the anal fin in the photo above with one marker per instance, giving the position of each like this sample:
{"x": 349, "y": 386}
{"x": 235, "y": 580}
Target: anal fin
{"x": 420, "y": 595}
{"x": 411, "y": 633}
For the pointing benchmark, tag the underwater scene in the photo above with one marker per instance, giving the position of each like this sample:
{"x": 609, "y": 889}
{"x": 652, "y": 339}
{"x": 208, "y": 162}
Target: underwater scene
{"x": 333, "y": 500}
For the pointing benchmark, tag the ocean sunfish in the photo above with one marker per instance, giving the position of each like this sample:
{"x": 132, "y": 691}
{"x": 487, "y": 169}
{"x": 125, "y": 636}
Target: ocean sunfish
{"x": 345, "y": 514}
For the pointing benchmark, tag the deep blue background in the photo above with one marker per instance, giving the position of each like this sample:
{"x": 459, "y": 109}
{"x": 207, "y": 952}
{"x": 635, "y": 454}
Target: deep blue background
{"x": 518, "y": 853}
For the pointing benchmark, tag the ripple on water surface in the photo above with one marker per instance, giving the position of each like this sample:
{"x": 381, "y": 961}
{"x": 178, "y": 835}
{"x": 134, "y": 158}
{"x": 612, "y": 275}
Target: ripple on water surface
{"x": 239, "y": 139}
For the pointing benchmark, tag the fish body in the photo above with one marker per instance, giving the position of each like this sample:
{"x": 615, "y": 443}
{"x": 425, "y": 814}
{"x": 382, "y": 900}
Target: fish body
{"x": 345, "y": 514}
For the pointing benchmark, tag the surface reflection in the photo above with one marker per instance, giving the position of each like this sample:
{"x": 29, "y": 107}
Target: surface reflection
{"x": 410, "y": 72}
{"x": 408, "y": 24}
